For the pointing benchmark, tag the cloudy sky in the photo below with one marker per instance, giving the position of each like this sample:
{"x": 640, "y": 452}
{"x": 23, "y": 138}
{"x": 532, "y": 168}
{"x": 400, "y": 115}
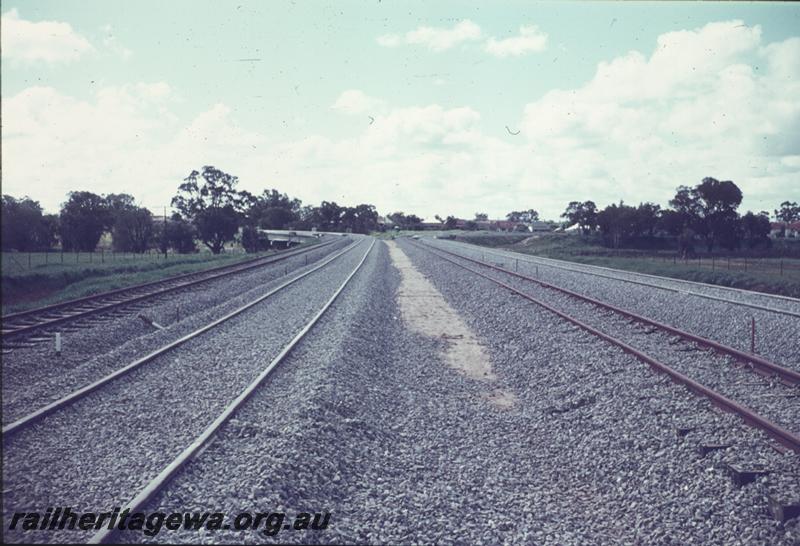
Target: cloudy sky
{"x": 448, "y": 109}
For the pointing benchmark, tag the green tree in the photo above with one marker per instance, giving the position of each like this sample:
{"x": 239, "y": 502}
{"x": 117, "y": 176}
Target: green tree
{"x": 272, "y": 209}
{"x": 24, "y": 227}
{"x": 133, "y": 230}
{"x": 83, "y": 220}
{"x": 755, "y": 229}
{"x": 481, "y": 216}
{"x": 526, "y": 216}
{"x": 647, "y": 217}
{"x": 583, "y": 214}
{"x": 131, "y": 226}
{"x": 254, "y": 240}
{"x": 617, "y": 223}
{"x": 360, "y": 219}
{"x": 209, "y": 200}
{"x": 788, "y": 213}
{"x": 451, "y": 222}
{"x": 710, "y": 209}
{"x": 404, "y": 221}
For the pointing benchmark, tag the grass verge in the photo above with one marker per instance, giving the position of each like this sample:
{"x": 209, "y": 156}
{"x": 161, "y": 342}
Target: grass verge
{"x": 768, "y": 275}
{"x": 55, "y": 282}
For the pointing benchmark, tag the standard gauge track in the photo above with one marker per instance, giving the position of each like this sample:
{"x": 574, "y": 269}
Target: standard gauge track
{"x": 22, "y": 325}
{"x": 786, "y": 438}
{"x": 35, "y": 416}
{"x": 759, "y": 363}
{"x": 782, "y": 305}
{"x": 155, "y": 485}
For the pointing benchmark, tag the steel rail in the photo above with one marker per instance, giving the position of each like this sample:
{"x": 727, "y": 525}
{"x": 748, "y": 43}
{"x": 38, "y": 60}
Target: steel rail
{"x": 76, "y": 395}
{"x": 157, "y": 484}
{"x": 168, "y": 287}
{"x": 533, "y": 259}
{"x": 775, "y": 431}
{"x": 84, "y": 299}
{"x": 789, "y": 376}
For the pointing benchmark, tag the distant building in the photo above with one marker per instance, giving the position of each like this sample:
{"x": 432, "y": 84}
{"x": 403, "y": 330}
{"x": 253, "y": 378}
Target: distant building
{"x": 504, "y": 225}
{"x": 783, "y": 229}
{"x": 431, "y": 226}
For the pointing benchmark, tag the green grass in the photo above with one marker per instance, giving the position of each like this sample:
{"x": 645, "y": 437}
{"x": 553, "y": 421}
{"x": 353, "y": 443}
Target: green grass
{"x": 45, "y": 284}
{"x": 761, "y": 275}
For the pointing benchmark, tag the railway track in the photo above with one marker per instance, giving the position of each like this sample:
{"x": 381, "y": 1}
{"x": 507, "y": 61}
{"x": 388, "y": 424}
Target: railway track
{"x": 25, "y": 325}
{"x": 784, "y": 434}
{"x": 81, "y": 393}
{"x": 790, "y": 306}
{"x": 228, "y": 391}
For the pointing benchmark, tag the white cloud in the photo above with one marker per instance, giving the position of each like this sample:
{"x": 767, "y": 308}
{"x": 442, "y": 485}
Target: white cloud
{"x": 435, "y": 38}
{"x": 390, "y": 40}
{"x": 53, "y": 143}
{"x": 354, "y": 101}
{"x": 49, "y": 41}
{"x": 111, "y": 44}
{"x": 530, "y": 39}
{"x": 643, "y": 124}
{"x": 695, "y": 107}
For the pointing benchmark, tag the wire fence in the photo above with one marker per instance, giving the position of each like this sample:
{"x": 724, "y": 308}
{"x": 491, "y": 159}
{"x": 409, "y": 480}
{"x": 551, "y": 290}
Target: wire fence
{"x": 775, "y": 265}
{"x": 16, "y": 262}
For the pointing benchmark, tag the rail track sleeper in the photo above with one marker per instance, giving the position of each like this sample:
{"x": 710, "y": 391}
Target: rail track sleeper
{"x": 778, "y": 433}
{"x": 200, "y": 443}
{"x": 536, "y": 260}
{"x": 792, "y": 377}
{"x": 80, "y": 393}
{"x": 87, "y": 306}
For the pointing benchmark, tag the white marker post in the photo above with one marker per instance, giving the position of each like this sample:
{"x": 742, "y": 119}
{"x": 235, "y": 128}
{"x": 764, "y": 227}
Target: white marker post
{"x": 58, "y": 343}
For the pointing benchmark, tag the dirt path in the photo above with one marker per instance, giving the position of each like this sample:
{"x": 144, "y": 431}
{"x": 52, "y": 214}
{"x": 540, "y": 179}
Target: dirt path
{"x": 426, "y": 312}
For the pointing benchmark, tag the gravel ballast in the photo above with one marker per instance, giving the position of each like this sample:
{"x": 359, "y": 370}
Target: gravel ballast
{"x": 777, "y": 335}
{"x": 96, "y": 351}
{"x": 769, "y": 398}
{"x": 365, "y": 422}
{"x": 97, "y": 453}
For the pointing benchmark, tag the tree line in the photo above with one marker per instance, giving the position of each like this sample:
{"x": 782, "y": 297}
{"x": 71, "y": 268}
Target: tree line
{"x": 706, "y": 213}
{"x": 209, "y": 209}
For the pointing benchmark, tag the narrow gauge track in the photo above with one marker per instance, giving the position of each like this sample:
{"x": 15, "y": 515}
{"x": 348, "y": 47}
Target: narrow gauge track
{"x": 784, "y": 437}
{"x": 155, "y": 485}
{"x": 73, "y": 397}
{"x": 623, "y": 276}
{"x": 758, "y": 363}
{"x": 140, "y": 461}
{"x": 23, "y": 324}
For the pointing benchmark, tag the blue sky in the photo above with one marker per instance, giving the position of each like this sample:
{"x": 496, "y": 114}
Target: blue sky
{"x": 408, "y": 106}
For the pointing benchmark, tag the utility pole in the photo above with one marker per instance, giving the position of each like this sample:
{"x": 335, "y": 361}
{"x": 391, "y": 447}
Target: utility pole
{"x": 164, "y": 235}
